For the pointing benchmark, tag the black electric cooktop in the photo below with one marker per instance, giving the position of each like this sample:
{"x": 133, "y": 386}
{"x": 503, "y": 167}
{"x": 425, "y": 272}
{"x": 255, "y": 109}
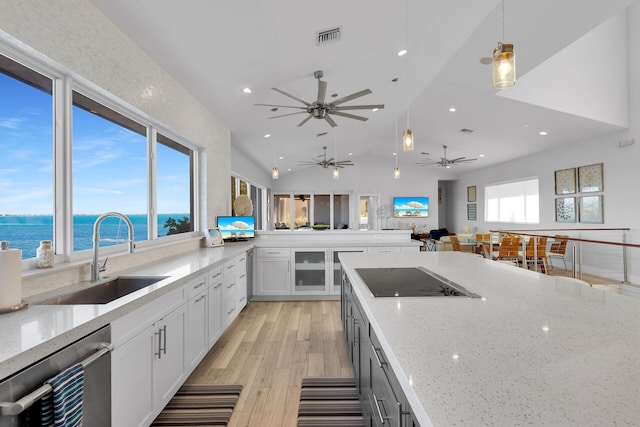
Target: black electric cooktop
{"x": 410, "y": 282}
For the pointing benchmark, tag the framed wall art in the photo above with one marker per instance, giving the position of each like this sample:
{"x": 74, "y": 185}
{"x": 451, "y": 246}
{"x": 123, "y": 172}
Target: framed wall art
{"x": 590, "y": 178}
{"x": 566, "y": 209}
{"x": 566, "y": 181}
{"x": 472, "y": 211}
{"x": 591, "y": 209}
{"x": 471, "y": 193}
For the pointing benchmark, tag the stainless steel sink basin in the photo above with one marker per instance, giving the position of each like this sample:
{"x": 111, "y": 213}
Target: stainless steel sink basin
{"x": 103, "y": 293}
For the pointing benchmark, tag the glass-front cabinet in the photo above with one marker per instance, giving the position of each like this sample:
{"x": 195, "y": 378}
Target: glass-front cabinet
{"x": 311, "y": 270}
{"x": 336, "y": 268}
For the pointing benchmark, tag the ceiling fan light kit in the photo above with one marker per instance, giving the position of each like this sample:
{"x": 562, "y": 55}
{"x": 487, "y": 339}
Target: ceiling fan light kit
{"x": 322, "y": 110}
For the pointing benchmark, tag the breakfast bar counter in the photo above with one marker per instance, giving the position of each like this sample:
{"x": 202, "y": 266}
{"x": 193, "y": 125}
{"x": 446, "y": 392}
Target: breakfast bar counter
{"x": 530, "y": 350}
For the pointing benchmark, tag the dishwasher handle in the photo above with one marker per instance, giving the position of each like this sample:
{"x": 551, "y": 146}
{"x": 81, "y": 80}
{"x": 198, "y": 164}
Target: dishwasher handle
{"x": 17, "y": 407}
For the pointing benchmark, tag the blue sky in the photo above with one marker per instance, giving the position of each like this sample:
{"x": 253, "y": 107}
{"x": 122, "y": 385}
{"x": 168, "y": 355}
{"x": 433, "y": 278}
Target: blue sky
{"x": 109, "y": 161}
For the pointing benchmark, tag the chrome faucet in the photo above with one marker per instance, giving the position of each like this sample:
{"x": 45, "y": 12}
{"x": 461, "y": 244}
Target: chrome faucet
{"x": 95, "y": 267}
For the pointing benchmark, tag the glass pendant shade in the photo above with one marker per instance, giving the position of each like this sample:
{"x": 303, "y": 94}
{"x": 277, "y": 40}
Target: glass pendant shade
{"x": 504, "y": 66}
{"x": 275, "y": 174}
{"x": 407, "y": 140}
{"x": 336, "y": 173}
{"x": 396, "y": 172}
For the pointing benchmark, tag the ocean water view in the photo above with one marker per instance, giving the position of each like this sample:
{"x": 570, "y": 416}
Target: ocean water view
{"x": 26, "y": 231}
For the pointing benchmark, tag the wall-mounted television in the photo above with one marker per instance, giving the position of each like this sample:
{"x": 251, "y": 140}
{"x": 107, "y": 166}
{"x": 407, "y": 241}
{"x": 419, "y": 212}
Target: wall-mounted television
{"x": 236, "y": 227}
{"x": 410, "y": 207}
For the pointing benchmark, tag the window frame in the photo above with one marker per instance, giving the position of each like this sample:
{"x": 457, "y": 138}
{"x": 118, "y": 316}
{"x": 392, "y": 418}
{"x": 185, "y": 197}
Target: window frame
{"x": 64, "y": 83}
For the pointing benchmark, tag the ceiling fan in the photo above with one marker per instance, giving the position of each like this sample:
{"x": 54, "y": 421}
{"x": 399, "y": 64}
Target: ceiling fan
{"x": 325, "y": 163}
{"x": 444, "y": 162}
{"x": 320, "y": 109}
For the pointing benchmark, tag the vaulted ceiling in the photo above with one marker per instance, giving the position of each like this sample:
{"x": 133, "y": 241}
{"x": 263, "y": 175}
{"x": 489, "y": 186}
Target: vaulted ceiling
{"x": 216, "y": 49}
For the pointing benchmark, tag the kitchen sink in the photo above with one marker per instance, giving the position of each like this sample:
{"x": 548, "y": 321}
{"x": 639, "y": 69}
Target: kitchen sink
{"x": 103, "y": 293}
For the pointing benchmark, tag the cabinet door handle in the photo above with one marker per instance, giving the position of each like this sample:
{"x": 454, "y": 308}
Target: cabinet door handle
{"x": 199, "y": 285}
{"x": 242, "y": 277}
{"x": 217, "y": 286}
{"x": 375, "y": 352}
{"x": 164, "y": 339}
{"x": 231, "y": 286}
{"x": 159, "y": 352}
{"x": 375, "y": 401}
{"x": 200, "y": 298}
{"x": 216, "y": 275}
{"x": 230, "y": 311}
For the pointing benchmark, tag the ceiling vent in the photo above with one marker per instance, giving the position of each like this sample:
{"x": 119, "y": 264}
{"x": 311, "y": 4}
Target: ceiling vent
{"x": 328, "y": 36}
{"x": 464, "y": 130}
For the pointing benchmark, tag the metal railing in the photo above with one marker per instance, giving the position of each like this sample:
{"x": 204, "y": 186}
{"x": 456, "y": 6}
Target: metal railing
{"x": 578, "y": 242}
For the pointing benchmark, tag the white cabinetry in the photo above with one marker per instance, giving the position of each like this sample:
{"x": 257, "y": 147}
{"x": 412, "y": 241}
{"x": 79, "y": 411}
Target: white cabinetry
{"x": 273, "y": 271}
{"x": 241, "y": 282}
{"x": 228, "y": 292}
{"x": 196, "y": 332}
{"x": 214, "y": 312}
{"x": 147, "y": 364}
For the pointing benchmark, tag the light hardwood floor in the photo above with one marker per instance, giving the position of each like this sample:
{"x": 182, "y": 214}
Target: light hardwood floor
{"x": 269, "y": 349}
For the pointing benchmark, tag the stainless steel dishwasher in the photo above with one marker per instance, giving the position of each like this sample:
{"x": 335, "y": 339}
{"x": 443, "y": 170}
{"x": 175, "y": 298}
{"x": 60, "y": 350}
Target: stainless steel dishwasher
{"x": 19, "y": 393}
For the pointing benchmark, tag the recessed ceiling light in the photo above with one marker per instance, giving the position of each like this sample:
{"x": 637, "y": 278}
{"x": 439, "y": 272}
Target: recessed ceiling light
{"x": 350, "y": 154}
{"x": 281, "y": 157}
{"x": 402, "y": 52}
{"x": 374, "y": 110}
{"x": 395, "y": 154}
{"x": 246, "y": 90}
{"x": 452, "y": 109}
{"x": 481, "y": 155}
{"x": 543, "y": 133}
{"x": 267, "y": 135}
{"x": 289, "y": 169}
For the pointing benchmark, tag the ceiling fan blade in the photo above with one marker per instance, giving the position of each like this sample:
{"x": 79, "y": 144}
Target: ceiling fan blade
{"x": 305, "y": 162}
{"x": 280, "y": 106}
{"x": 330, "y": 121}
{"x": 465, "y": 160}
{"x": 358, "y": 107}
{"x": 349, "y": 116}
{"x": 285, "y": 115}
{"x": 291, "y": 96}
{"x": 305, "y": 120}
{"x": 352, "y": 96}
{"x": 322, "y": 91}
{"x": 457, "y": 159}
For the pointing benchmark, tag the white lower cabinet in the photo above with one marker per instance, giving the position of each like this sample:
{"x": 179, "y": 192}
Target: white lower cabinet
{"x": 214, "y": 312}
{"x": 196, "y": 335}
{"x": 148, "y": 369}
{"x": 273, "y": 272}
{"x": 228, "y": 292}
{"x": 241, "y": 282}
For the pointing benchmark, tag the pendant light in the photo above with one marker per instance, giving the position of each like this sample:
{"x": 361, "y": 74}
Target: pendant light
{"x": 504, "y": 62}
{"x": 407, "y": 137}
{"x": 275, "y": 173}
{"x": 336, "y": 172}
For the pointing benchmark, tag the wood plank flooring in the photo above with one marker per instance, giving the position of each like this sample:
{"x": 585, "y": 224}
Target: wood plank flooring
{"x": 269, "y": 349}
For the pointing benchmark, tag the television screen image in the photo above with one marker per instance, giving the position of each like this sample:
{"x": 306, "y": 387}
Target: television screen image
{"x": 410, "y": 207}
{"x": 236, "y": 227}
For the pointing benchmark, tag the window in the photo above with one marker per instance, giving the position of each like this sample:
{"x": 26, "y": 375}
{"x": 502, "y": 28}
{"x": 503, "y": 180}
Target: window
{"x": 308, "y": 209}
{"x": 174, "y": 184}
{"x": 109, "y": 171}
{"x": 514, "y": 202}
{"x": 239, "y": 187}
{"x": 26, "y": 164}
{"x": 107, "y": 161}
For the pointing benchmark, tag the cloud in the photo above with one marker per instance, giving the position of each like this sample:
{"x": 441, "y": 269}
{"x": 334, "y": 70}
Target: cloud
{"x": 11, "y": 122}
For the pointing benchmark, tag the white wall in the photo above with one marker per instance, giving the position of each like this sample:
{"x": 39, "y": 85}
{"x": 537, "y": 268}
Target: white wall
{"x": 78, "y": 37}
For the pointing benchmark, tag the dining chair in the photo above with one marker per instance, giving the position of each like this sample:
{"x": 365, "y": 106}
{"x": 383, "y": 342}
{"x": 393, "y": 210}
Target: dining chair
{"x": 536, "y": 254}
{"x": 455, "y": 243}
{"x": 509, "y": 249}
{"x": 558, "y": 249}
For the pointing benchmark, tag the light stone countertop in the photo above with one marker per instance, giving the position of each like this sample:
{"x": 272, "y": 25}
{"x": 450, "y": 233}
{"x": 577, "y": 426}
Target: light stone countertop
{"x": 31, "y": 334}
{"x": 534, "y": 350}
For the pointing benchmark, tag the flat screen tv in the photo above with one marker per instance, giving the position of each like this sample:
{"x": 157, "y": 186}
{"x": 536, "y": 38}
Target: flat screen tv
{"x": 410, "y": 207}
{"x": 236, "y": 227}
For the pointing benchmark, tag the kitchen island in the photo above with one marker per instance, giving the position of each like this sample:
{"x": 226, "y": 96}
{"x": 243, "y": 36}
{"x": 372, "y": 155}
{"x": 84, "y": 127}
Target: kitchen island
{"x": 531, "y": 350}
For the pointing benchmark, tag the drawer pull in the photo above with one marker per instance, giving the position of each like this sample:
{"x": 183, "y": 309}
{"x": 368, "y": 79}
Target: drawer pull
{"x": 375, "y": 401}
{"x": 216, "y": 275}
{"x": 200, "y": 298}
{"x": 231, "y": 286}
{"x": 199, "y": 285}
{"x": 217, "y": 286}
{"x": 375, "y": 352}
{"x": 242, "y": 277}
{"x": 230, "y": 311}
